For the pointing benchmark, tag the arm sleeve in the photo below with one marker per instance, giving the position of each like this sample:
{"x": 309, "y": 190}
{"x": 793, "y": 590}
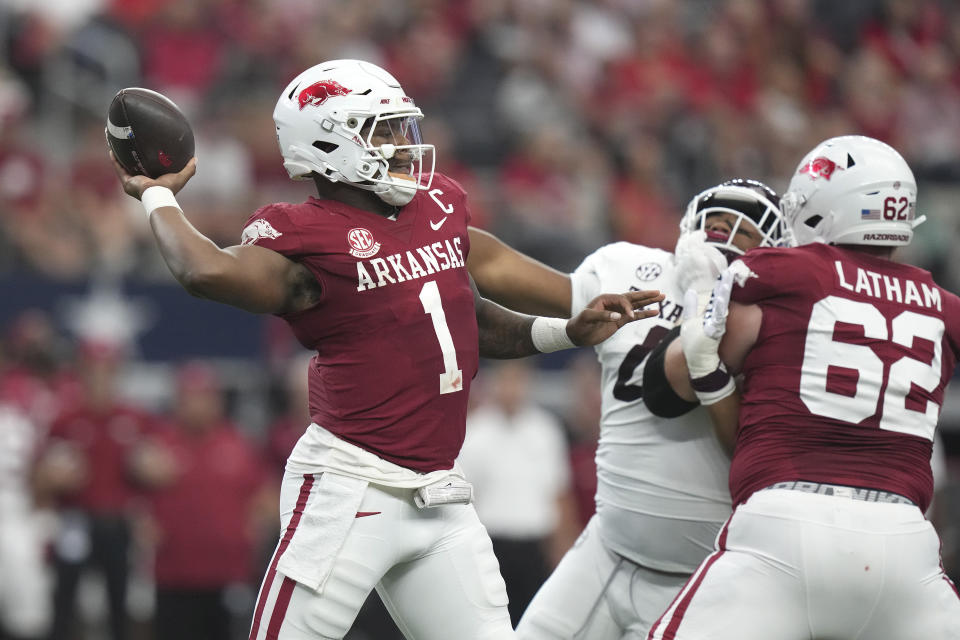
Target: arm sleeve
{"x": 584, "y": 285}
{"x": 770, "y": 273}
{"x": 658, "y": 395}
{"x": 272, "y": 228}
{"x": 952, "y": 317}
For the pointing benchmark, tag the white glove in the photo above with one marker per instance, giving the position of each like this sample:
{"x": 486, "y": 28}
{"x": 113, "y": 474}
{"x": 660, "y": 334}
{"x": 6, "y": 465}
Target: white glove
{"x": 703, "y": 325}
{"x": 699, "y": 263}
{"x": 715, "y": 314}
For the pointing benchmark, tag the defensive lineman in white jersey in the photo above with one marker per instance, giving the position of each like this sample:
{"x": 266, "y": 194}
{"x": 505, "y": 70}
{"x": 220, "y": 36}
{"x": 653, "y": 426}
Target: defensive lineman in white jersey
{"x": 661, "y": 482}
{"x": 638, "y": 484}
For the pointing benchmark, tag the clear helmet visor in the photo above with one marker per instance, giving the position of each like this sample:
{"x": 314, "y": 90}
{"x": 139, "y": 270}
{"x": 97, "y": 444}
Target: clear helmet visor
{"x": 395, "y": 145}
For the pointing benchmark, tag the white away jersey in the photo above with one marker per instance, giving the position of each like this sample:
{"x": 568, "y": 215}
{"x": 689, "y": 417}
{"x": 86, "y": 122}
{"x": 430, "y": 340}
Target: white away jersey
{"x": 654, "y": 474}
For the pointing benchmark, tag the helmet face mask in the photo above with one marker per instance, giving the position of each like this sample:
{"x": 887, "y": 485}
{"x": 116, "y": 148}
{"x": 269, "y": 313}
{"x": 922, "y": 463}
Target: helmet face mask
{"x": 401, "y": 156}
{"x": 746, "y": 202}
{"x": 349, "y": 121}
{"x": 852, "y": 190}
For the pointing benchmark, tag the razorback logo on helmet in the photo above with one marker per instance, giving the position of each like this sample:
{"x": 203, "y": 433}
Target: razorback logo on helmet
{"x": 317, "y": 93}
{"x": 258, "y": 229}
{"x": 821, "y": 167}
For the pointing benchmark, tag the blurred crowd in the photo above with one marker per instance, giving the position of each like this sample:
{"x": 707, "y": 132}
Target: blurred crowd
{"x": 571, "y": 123}
{"x": 97, "y": 489}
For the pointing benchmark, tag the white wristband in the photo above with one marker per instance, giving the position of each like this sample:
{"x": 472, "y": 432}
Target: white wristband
{"x": 155, "y": 197}
{"x": 713, "y": 387}
{"x": 550, "y": 334}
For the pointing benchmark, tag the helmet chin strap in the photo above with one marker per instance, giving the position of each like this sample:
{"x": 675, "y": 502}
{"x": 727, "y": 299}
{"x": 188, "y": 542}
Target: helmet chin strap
{"x": 394, "y": 189}
{"x": 396, "y": 193}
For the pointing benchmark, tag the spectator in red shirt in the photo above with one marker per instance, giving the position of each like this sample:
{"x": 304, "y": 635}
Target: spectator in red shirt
{"x": 287, "y": 427}
{"x": 208, "y": 504}
{"x": 84, "y": 469}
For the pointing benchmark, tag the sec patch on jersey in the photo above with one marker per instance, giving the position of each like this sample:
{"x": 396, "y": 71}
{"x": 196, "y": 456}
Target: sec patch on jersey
{"x": 148, "y": 133}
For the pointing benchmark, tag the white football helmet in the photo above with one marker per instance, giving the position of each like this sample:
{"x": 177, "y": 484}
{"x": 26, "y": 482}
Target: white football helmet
{"x": 327, "y": 119}
{"x": 748, "y": 200}
{"x": 852, "y": 190}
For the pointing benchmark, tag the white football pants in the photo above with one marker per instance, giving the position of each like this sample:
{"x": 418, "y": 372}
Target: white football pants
{"x": 595, "y": 594}
{"x": 433, "y": 568}
{"x": 791, "y": 565}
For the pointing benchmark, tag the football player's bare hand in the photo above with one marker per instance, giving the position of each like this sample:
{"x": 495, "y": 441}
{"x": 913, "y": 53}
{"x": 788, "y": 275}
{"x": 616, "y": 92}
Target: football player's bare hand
{"x": 640, "y": 300}
{"x": 136, "y": 185}
{"x": 607, "y": 313}
{"x": 631, "y": 304}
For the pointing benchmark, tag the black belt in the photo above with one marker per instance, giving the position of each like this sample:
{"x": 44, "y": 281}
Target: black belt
{"x": 854, "y": 493}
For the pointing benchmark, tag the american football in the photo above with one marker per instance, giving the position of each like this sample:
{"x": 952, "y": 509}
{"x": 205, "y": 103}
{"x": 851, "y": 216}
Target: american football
{"x": 148, "y": 133}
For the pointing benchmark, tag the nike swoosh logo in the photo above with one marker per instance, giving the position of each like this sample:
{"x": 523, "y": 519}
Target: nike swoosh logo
{"x": 436, "y": 225}
{"x": 364, "y": 514}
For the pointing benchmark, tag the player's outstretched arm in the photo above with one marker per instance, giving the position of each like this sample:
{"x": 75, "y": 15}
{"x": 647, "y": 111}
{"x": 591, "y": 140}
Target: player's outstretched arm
{"x": 725, "y": 416}
{"x": 666, "y": 382}
{"x": 606, "y": 313}
{"x": 249, "y": 277}
{"x": 714, "y": 343}
{"x": 516, "y": 280}
{"x": 505, "y": 334}
{"x": 669, "y": 393}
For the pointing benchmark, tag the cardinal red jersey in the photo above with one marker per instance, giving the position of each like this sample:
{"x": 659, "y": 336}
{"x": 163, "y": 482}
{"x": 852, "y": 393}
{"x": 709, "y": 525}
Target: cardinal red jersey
{"x": 104, "y": 438}
{"x": 395, "y": 329}
{"x": 204, "y": 515}
{"x": 846, "y": 380}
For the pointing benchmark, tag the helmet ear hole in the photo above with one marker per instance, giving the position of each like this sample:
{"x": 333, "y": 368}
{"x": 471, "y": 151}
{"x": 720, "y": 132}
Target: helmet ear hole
{"x": 326, "y": 147}
{"x": 813, "y": 221}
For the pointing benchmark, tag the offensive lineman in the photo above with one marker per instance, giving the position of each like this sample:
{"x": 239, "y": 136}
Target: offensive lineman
{"x": 661, "y": 495}
{"x": 845, "y": 356}
{"x": 372, "y": 275}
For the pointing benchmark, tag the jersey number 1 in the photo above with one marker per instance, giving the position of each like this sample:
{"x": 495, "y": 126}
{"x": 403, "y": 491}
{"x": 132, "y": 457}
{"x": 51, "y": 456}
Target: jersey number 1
{"x": 451, "y": 379}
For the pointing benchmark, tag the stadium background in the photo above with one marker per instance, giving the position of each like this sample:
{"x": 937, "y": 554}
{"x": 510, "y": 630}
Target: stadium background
{"x": 570, "y": 123}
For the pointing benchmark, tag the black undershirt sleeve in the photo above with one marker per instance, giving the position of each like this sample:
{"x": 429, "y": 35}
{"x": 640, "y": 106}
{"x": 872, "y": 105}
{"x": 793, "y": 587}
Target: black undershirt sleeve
{"x": 658, "y": 395}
